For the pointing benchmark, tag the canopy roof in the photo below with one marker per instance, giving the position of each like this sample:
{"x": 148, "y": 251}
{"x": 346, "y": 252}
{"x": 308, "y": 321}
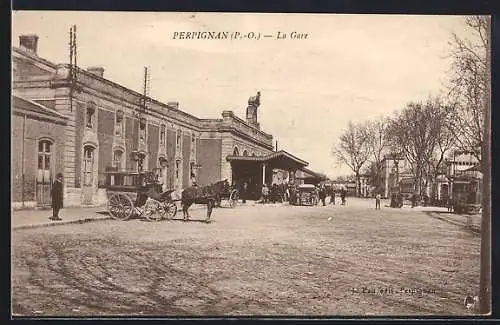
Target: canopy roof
{"x": 279, "y": 159}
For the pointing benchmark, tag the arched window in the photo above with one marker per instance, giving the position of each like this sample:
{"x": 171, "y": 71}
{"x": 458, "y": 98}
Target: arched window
{"x": 253, "y": 154}
{"x": 44, "y": 160}
{"x": 245, "y": 153}
{"x": 117, "y": 158}
{"x": 236, "y": 152}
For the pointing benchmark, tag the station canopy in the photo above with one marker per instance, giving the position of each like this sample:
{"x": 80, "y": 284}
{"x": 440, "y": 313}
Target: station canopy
{"x": 275, "y": 160}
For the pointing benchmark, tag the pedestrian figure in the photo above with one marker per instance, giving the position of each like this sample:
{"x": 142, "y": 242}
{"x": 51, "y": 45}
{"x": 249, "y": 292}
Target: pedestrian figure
{"x": 342, "y": 195}
{"x": 332, "y": 199}
{"x": 56, "y": 193}
{"x": 450, "y": 204}
{"x": 377, "y": 201}
{"x": 414, "y": 200}
{"x": 265, "y": 193}
{"x": 244, "y": 192}
{"x": 322, "y": 195}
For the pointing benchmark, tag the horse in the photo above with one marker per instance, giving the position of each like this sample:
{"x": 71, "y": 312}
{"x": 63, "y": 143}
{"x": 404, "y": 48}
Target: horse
{"x": 202, "y": 195}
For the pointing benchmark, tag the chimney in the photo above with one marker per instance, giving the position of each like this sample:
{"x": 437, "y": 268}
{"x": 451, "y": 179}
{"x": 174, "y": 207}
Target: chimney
{"x": 173, "y": 104}
{"x": 29, "y": 42}
{"x": 97, "y": 71}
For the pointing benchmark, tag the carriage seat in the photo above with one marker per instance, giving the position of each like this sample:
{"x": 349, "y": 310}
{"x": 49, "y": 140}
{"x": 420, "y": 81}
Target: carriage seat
{"x": 155, "y": 195}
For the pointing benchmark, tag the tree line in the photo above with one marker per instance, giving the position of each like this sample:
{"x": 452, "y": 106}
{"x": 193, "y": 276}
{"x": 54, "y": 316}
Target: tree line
{"x": 423, "y": 133}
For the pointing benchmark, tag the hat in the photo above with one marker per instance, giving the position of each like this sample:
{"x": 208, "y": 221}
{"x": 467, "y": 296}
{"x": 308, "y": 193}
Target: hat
{"x": 59, "y": 175}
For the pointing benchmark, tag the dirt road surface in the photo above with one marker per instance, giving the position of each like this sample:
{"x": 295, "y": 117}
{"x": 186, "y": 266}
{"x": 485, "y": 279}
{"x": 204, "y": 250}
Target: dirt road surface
{"x": 252, "y": 260}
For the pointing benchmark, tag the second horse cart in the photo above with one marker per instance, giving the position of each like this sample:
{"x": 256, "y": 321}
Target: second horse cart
{"x": 138, "y": 194}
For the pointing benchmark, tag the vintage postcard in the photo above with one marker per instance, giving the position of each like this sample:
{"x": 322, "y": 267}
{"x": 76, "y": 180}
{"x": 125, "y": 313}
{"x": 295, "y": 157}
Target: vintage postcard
{"x": 241, "y": 164}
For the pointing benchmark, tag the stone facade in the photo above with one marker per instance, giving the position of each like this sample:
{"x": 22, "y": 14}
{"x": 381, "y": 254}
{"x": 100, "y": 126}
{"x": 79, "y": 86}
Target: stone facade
{"x": 105, "y": 124}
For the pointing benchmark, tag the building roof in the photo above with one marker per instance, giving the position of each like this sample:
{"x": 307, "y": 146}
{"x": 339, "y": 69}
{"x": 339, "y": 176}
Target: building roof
{"x": 279, "y": 159}
{"x": 28, "y": 106}
{"x": 309, "y": 174}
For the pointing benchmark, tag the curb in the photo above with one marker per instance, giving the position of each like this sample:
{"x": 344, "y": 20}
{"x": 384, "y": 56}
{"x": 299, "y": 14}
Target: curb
{"x": 51, "y": 224}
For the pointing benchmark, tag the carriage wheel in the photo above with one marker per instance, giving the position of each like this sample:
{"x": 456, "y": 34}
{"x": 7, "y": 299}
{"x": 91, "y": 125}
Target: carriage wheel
{"x": 153, "y": 210}
{"x": 233, "y": 198}
{"x": 170, "y": 210}
{"x": 120, "y": 207}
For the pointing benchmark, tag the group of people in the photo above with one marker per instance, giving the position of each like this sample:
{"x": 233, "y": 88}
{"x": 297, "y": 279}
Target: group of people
{"x": 324, "y": 192}
{"x": 273, "y": 194}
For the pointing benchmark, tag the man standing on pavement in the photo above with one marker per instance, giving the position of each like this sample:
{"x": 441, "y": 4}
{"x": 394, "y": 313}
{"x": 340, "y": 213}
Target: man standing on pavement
{"x": 377, "y": 201}
{"x": 56, "y": 193}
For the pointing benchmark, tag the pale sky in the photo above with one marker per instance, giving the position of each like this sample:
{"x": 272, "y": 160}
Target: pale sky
{"x": 350, "y": 67}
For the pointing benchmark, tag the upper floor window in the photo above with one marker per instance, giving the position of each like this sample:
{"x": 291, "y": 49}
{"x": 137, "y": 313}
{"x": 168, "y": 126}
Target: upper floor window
{"x": 178, "y": 138}
{"x": 177, "y": 168}
{"x": 193, "y": 145}
{"x": 236, "y": 152}
{"x": 119, "y": 123}
{"x": 245, "y": 153}
{"x": 142, "y": 129}
{"x": 191, "y": 169}
{"x": 162, "y": 135}
{"x": 253, "y": 154}
{"x": 90, "y": 116}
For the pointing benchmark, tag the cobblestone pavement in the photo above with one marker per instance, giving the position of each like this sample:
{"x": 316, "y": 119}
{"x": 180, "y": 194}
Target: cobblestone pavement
{"x": 252, "y": 260}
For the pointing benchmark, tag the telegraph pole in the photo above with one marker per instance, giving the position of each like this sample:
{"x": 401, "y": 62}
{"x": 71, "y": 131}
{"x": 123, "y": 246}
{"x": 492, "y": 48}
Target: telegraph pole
{"x": 485, "y": 278}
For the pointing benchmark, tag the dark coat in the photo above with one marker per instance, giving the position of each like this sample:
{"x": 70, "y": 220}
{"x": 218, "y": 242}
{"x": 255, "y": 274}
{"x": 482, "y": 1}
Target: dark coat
{"x": 56, "y": 194}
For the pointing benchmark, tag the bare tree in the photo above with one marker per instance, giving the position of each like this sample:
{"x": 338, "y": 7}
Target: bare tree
{"x": 378, "y": 142}
{"x": 353, "y": 149}
{"x": 469, "y": 84}
{"x": 413, "y": 133}
{"x": 445, "y": 140}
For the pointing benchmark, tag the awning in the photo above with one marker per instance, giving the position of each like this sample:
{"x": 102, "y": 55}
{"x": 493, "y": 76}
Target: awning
{"x": 279, "y": 159}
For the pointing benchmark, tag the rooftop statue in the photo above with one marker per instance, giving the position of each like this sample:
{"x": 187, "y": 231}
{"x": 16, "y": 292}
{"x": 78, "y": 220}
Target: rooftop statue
{"x": 254, "y": 100}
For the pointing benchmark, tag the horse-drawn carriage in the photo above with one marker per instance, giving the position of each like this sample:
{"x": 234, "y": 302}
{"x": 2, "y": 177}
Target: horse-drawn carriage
{"x": 230, "y": 193}
{"x": 132, "y": 193}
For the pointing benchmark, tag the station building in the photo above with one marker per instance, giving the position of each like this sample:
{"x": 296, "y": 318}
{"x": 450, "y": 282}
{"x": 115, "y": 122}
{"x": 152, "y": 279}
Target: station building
{"x": 74, "y": 121}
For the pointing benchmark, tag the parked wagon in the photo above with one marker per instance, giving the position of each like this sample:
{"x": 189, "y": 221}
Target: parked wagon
{"x": 230, "y": 194}
{"x": 138, "y": 194}
{"x": 306, "y": 194}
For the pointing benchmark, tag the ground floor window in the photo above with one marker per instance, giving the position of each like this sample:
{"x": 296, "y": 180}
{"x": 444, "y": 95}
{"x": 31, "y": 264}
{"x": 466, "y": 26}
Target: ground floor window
{"x": 88, "y": 165}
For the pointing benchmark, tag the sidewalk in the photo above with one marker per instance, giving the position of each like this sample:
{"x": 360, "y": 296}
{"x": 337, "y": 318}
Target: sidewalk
{"x": 21, "y": 219}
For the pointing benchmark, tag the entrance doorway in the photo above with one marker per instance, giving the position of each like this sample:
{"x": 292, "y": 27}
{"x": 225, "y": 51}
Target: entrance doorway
{"x": 88, "y": 174}
{"x": 250, "y": 172}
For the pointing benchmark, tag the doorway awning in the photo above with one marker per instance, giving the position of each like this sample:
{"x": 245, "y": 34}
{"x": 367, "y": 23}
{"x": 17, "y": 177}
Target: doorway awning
{"x": 279, "y": 160}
